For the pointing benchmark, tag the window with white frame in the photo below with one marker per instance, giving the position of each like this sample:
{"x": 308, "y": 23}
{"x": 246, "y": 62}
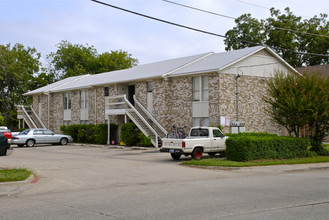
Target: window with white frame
{"x": 200, "y": 121}
{"x": 84, "y": 99}
{"x": 67, "y": 100}
{"x": 200, "y": 88}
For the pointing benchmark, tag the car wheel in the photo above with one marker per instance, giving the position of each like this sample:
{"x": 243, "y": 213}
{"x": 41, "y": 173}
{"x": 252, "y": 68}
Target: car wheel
{"x": 63, "y": 141}
{"x": 197, "y": 154}
{"x": 30, "y": 143}
{"x": 175, "y": 156}
{"x": 20, "y": 145}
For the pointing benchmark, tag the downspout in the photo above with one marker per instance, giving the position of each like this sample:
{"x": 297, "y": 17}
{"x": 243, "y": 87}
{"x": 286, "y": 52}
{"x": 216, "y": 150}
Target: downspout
{"x": 95, "y": 105}
{"x": 48, "y": 110}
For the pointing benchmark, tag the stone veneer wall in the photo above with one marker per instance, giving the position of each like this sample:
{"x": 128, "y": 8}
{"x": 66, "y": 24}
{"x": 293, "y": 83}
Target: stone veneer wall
{"x": 252, "y": 108}
{"x": 141, "y": 92}
{"x": 75, "y": 107}
{"x": 56, "y": 112}
{"x": 100, "y": 103}
{"x": 214, "y": 99}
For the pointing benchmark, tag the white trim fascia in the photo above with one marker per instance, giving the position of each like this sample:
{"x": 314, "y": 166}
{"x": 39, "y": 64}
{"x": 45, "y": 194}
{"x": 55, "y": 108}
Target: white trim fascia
{"x": 52, "y": 89}
{"x": 282, "y": 60}
{"x": 187, "y": 64}
{"x": 242, "y": 58}
{"x": 194, "y": 73}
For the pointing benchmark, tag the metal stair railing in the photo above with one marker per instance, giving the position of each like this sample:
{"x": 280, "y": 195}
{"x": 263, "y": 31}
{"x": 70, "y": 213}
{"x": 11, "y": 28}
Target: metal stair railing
{"x": 36, "y": 118}
{"x": 138, "y": 124}
{"x": 154, "y": 123}
{"x": 28, "y": 120}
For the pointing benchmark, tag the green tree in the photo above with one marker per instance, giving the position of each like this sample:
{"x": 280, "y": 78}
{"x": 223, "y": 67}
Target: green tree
{"x": 299, "y": 101}
{"x": 76, "y": 59}
{"x": 2, "y": 121}
{"x": 284, "y": 33}
{"x": 18, "y": 65}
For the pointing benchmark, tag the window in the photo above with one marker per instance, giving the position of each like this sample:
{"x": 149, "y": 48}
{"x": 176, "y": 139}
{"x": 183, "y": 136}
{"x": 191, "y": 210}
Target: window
{"x": 47, "y": 132}
{"x": 199, "y": 132}
{"x": 149, "y": 87}
{"x": 37, "y": 132}
{"x": 200, "y": 122}
{"x": 66, "y": 123}
{"x": 106, "y": 91}
{"x": 200, "y": 88}
{"x": 84, "y": 122}
{"x": 67, "y": 100}
{"x": 84, "y": 99}
{"x": 217, "y": 133}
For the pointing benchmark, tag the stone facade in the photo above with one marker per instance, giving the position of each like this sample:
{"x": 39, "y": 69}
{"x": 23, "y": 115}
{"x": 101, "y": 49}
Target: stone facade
{"x": 56, "y": 112}
{"x": 172, "y": 103}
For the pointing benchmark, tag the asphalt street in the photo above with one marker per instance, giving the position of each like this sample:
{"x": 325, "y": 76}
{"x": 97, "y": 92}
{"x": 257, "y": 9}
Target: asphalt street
{"x": 83, "y": 182}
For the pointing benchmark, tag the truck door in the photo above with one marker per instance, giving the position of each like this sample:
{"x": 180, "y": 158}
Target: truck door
{"x": 218, "y": 140}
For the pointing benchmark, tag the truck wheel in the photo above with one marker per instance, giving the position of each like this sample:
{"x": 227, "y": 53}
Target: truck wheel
{"x": 197, "y": 154}
{"x": 175, "y": 156}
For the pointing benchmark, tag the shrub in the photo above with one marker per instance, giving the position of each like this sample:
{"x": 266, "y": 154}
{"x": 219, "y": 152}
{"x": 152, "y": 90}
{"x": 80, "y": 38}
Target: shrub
{"x": 258, "y": 134}
{"x": 129, "y": 134}
{"x": 244, "y": 147}
{"x": 89, "y": 133}
{"x": 144, "y": 141}
{"x": 101, "y": 133}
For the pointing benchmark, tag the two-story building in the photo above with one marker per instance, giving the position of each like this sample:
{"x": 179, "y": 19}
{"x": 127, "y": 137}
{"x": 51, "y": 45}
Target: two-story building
{"x": 200, "y": 90}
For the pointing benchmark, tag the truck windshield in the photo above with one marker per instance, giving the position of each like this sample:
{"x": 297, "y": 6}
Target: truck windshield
{"x": 199, "y": 132}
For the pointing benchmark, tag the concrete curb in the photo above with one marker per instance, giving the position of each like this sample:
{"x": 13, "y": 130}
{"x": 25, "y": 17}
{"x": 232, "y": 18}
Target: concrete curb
{"x": 27, "y": 181}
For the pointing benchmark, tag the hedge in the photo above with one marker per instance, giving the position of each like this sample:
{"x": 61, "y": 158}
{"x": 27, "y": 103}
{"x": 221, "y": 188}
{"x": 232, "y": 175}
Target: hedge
{"x": 245, "y": 148}
{"x": 89, "y": 134}
{"x": 258, "y": 134}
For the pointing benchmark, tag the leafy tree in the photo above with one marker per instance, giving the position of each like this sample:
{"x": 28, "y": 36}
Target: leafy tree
{"x": 299, "y": 101}
{"x": 2, "y": 121}
{"x": 284, "y": 33}
{"x": 76, "y": 59}
{"x": 17, "y": 68}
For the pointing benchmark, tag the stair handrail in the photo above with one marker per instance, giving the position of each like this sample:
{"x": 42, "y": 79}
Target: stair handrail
{"x": 150, "y": 116}
{"x": 37, "y": 117}
{"x": 28, "y": 116}
{"x": 142, "y": 118}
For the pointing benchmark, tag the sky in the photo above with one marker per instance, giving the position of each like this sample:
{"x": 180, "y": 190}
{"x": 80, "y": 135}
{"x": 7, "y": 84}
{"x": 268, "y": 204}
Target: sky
{"x": 43, "y": 24}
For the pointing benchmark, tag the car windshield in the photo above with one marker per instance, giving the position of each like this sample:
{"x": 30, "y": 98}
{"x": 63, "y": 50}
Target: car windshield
{"x": 25, "y": 132}
{"x": 199, "y": 132}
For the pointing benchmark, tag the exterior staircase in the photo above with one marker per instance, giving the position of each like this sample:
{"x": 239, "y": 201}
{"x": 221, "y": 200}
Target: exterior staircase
{"x": 29, "y": 116}
{"x": 139, "y": 115}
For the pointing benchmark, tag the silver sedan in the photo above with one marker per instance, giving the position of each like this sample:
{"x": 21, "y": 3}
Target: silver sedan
{"x": 30, "y": 137}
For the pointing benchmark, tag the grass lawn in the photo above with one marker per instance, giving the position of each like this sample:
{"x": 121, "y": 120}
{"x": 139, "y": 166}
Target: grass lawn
{"x": 8, "y": 175}
{"x": 228, "y": 163}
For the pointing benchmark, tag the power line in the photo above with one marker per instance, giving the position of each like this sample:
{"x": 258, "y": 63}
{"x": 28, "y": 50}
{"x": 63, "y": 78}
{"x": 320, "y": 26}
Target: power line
{"x": 201, "y": 31}
{"x": 226, "y": 16}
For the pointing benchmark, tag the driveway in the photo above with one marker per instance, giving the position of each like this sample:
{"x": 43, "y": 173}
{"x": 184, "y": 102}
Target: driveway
{"x": 82, "y": 182}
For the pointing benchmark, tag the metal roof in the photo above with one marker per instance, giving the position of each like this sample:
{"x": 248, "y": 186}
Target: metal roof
{"x": 217, "y": 61}
{"x": 174, "y": 67}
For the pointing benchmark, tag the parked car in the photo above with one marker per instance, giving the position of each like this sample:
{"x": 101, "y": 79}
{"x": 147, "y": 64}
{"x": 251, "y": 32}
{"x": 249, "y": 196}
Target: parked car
{"x": 5, "y": 140}
{"x": 30, "y": 137}
{"x": 210, "y": 140}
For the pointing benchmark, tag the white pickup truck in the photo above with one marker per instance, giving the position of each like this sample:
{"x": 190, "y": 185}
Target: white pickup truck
{"x": 201, "y": 140}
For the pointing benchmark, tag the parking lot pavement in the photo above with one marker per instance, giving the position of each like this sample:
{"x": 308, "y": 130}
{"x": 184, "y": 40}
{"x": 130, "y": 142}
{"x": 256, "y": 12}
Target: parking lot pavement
{"x": 79, "y": 166}
{"x": 84, "y": 182}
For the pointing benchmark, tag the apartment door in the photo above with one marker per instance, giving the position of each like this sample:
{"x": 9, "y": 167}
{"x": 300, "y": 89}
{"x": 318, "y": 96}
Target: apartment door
{"x": 131, "y": 93}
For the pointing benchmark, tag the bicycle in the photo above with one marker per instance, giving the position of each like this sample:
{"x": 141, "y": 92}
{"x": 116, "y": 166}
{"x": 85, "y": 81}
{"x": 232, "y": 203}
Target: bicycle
{"x": 177, "y": 133}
